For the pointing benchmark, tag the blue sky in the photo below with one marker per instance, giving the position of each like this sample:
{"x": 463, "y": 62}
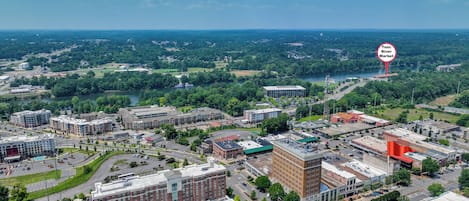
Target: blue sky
{"x": 234, "y": 14}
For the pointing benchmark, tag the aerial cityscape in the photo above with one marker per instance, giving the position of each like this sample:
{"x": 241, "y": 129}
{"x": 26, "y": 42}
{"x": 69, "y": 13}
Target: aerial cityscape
{"x": 178, "y": 100}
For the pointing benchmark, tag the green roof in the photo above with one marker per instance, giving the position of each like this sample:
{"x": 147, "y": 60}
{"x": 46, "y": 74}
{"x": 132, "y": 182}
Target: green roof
{"x": 309, "y": 139}
{"x": 258, "y": 149}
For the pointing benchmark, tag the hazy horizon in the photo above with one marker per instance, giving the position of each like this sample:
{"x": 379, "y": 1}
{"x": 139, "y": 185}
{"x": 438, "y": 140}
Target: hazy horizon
{"x": 233, "y": 15}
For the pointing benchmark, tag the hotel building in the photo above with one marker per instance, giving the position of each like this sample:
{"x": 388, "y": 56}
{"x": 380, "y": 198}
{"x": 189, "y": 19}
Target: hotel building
{"x": 190, "y": 183}
{"x": 21, "y": 147}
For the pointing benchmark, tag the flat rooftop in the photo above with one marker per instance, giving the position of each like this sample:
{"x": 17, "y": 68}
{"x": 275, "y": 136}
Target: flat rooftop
{"x": 249, "y": 144}
{"x": 292, "y": 87}
{"x": 334, "y": 169}
{"x": 149, "y": 110}
{"x": 418, "y": 140}
{"x": 228, "y": 145}
{"x": 25, "y": 138}
{"x": 371, "y": 143}
{"x": 262, "y": 111}
{"x": 71, "y": 120}
{"x": 373, "y": 119}
{"x": 364, "y": 169}
{"x": 344, "y": 128}
{"x": 311, "y": 124}
{"x": 137, "y": 182}
{"x": 31, "y": 112}
{"x": 450, "y": 196}
{"x": 438, "y": 124}
{"x": 262, "y": 162}
{"x": 416, "y": 156}
{"x": 304, "y": 151}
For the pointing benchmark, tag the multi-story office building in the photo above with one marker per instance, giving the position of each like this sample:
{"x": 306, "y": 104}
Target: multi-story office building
{"x": 255, "y": 116}
{"x": 81, "y": 127}
{"x": 288, "y": 91}
{"x": 20, "y": 147}
{"x": 147, "y": 117}
{"x": 30, "y": 119}
{"x": 190, "y": 183}
{"x": 297, "y": 166}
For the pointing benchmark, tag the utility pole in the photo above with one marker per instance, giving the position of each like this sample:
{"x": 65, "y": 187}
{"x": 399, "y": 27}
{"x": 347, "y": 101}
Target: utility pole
{"x": 457, "y": 90}
{"x": 47, "y": 189}
{"x": 412, "y": 100}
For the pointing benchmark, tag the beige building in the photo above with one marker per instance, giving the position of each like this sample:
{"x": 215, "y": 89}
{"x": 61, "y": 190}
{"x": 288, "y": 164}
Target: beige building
{"x": 147, "y": 117}
{"x": 30, "y": 119}
{"x": 297, "y": 166}
{"x": 81, "y": 127}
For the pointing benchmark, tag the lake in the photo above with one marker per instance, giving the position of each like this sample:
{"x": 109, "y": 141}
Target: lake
{"x": 341, "y": 76}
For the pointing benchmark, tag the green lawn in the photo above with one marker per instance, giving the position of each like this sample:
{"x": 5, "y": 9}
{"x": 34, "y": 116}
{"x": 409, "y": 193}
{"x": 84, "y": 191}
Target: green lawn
{"x": 80, "y": 177}
{"x": 170, "y": 70}
{"x": 31, "y": 178}
{"x": 83, "y": 150}
{"x": 310, "y": 118}
{"x": 185, "y": 109}
{"x": 414, "y": 114}
{"x": 253, "y": 129}
{"x": 198, "y": 69}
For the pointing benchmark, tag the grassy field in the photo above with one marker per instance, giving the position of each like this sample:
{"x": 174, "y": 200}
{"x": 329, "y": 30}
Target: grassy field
{"x": 170, "y": 70}
{"x": 414, "y": 114}
{"x": 241, "y": 73}
{"x": 310, "y": 118}
{"x": 31, "y": 178}
{"x": 198, "y": 69}
{"x": 83, "y": 174}
{"x": 83, "y": 151}
{"x": 444, "y": 100}
{"x": 254, "y": 129}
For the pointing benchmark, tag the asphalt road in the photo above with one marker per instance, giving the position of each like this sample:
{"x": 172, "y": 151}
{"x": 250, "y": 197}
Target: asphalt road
{"x": 100, "y": 175}
{"x": 418, "y": 189}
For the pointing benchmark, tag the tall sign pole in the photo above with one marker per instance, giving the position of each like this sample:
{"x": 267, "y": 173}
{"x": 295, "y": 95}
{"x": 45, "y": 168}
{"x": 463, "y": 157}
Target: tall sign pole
{"x": 386, "y": 53}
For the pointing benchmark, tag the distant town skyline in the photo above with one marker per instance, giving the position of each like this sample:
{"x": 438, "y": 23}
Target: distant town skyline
{"x": 230, "y": 14}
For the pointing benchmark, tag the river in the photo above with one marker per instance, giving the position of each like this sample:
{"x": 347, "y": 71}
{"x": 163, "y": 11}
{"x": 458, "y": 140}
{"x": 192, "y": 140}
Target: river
{"x": 341, "y": 76}
{"x": 135, "y": 95}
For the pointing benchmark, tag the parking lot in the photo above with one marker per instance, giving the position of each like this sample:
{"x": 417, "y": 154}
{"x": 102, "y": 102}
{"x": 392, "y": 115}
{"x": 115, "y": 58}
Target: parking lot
{"x": 239, "y": 182}
{"x": 26, "y": 167}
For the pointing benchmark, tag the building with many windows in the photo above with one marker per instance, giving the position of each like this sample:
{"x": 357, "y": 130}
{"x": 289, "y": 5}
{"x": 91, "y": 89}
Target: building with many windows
{"x": 346, "y": 182}
{"x": 30, "y": 119}
{"x": 288, "y": 91}
{"x": 255, "y": 116}
{"x": 81, "y": 127}
{"x": 190, "y": 183}
{"x": 147, "y": 117}
{"x": 297, "y": 166}
{"x": 21, "y": 147}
